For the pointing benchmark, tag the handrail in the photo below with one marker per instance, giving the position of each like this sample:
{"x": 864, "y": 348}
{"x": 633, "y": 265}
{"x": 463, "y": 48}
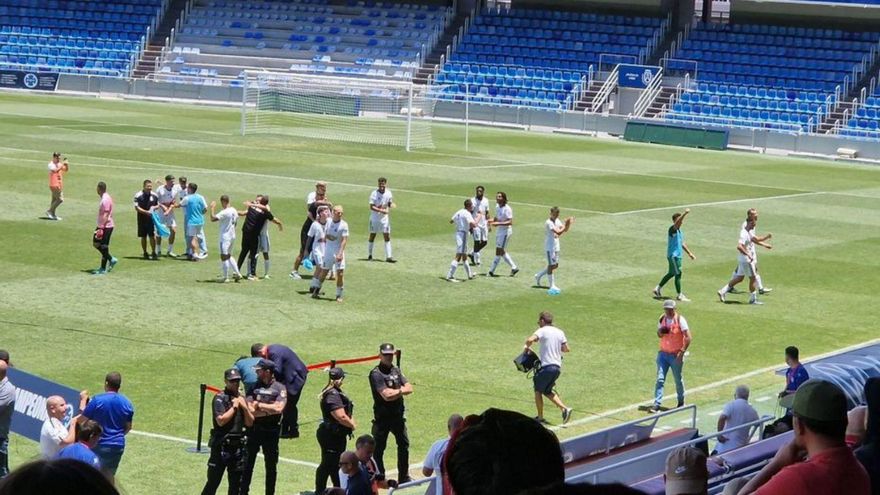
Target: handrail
{"x": 410, "y": 484}
{"x": 648, "y": 95}
{"x": 605, "y": 91}
{"x": 579, "y": 478}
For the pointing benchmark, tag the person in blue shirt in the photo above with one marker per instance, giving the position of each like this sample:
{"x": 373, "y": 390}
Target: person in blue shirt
{"x": 194, "y": 207}
{"x": 114, "y": 412}
{"x": 358, "y": 482}
{"x": 674, "y": 247}
{"x": 796, "y": 374}
{"x": 83, "y": 449}
{"x": 245, "y": 366}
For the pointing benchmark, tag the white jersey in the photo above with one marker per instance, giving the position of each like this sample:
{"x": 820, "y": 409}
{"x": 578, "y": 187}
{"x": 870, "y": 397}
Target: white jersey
{"x": 335, "y": 232}
{"x": 462, "y": 220}
{"x": 745, "y": 238}
{"x": 227, "y": 217}
{"x": 481, "y": 206}
{"x": 319, "y": 235}
{"x": 503, "y": 214}
{"x": 551, "y": 339}
{"x": 380, "y": 200}
{"x": 166, "y": 197}
{"x": 753, "y": 249}
{"x": 551, "y": 240}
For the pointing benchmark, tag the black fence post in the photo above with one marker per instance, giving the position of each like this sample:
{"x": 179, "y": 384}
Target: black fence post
{"x": 198, "y": 447}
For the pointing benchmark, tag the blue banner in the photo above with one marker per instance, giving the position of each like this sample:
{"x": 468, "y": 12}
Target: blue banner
{"x": 30, "y": 402}
{"x": 848, "y": 370}
{"x": 42, "y": 81}
{"x": 635, "y": 76}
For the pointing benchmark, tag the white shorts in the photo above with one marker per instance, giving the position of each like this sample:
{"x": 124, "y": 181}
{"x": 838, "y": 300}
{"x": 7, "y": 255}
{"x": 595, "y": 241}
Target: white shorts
{"x": 481, "y": 234}
{"x": 317, "y": 258}
{"x": 264, "y": 242}
{"x": 552, "y": 257}
{"x": 226, "y": 246}
{"x": 195, "y": 230}
{"x": 745, "y": 269}
{"x": 169, "y": 219}
{"x": 461, "y": 242}
{"x": 330, "y": 262}
{"x": 381, "y": 225}
{"x": 501, "y": 239}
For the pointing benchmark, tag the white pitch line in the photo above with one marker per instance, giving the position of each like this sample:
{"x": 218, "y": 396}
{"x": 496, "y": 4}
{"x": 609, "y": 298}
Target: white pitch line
{"x": 763, "y": 399}
{"x": 715, "y": 413}
{"x": 717, "y": 203}
{"x": 710, "y": 386}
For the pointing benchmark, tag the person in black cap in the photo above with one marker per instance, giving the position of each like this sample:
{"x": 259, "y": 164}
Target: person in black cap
{"x": 336, "y": 426}
{"x": 266, "y": 401}
{"x": 389, "y": 386}
{"x": 228, "y": 443}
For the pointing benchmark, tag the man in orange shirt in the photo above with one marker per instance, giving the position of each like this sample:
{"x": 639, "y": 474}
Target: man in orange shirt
{"x": 57, "y": 168}
{"x": 675, "y": 337}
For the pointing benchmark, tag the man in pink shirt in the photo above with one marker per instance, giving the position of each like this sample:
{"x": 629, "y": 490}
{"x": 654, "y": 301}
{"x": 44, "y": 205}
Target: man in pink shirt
{"x": 818, "y": 460}
{"x": 103, "y": 231}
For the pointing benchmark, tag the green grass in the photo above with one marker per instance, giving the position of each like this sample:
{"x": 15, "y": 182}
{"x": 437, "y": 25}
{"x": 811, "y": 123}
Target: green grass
{"x": 167, "y": 331}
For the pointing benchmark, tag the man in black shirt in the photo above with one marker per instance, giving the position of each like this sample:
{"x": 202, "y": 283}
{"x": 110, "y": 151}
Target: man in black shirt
{"x": 145, "y": 201}
{"x": 228, "y": 443}
{"x": 257, "y": 215}
{"x": 389, "y": 386}
{"x": 266, "y": 401}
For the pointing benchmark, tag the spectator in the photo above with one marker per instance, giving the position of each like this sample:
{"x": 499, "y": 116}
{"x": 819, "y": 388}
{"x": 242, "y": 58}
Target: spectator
{"x": 433, "y": 465}
{"x": 114, "y": 412}
{"x": 54, "y": 435}
{"x": 856, "y": 420}
{"x": 84, "y": 449}
{"x": 869, "y": 453}
{"x": 7, "y": 405}
{"x": 734, "y": 486}
{"x": 817, "y": 461}
{"x": 66, "y": 476}
{"x": 57, "y": 168}
{"x": 736, "y": 412}
{"x": 686, "y": 472}
{"x": 796, "y": 374}
{"x": 365, "y": 446}
{"x": 4, "y": 356}
{"x": 356, "y": 477}
{"x": 291, "y": 372}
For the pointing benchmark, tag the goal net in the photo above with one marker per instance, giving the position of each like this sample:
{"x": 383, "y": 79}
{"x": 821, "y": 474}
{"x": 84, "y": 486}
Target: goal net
{"x": 373, "y": 111}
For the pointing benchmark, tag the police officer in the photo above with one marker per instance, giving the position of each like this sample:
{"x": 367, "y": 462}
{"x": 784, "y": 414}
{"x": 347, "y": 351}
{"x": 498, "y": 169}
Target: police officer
{"x": 335, "y": 428}
{"x": 228, "y": 443}
{"x": 266, "y": 402}
{"x": 389, "y": 386}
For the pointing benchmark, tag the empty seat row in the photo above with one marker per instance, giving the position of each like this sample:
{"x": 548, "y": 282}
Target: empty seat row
{"x": 516, "y": 72}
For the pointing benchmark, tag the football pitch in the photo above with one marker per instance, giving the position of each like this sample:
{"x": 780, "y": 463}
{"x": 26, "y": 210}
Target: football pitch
{"x": 167, "y": 326}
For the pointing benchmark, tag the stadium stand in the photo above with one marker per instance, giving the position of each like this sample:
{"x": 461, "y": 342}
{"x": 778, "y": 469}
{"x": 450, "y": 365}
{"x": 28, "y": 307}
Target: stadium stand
{"x": 90, "y": 37}
{"x": 220, "y": 39}
{"x": 541, "y": 57}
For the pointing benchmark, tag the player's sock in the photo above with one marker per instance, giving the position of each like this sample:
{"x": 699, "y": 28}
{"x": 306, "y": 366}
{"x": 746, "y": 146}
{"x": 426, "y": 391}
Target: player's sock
{"x": 477, "y": 257}
{"x": 759, "y": 282}
{"x": 339, "y": 292}
{"x": 753, "y": 296}
{"x": 725, "y": 289}
{"x": 495, "y": 263}
{"x": 509, "y": 261}
{"x": 266, "y": 265}
{"x": 170, "y": 247}
{"x": 452, "y": 267}
{"x": 224, "y": 267}
{"x": 540, "y": 275}
{"x": 233, "y": 267}
{"x": 316, "y": 282}
{"x": 370, "y": 249}
{"x": 552, "y": 279}
{"x": 467, "y": 269}
{"x": 388, "y": 250}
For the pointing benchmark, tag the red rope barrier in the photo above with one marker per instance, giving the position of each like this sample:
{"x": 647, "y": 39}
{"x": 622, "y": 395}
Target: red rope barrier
{"x": 210, "y": 388}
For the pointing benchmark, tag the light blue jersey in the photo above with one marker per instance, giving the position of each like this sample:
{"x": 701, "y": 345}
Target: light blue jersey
{"x": 194, "y": 209}
{"x": 674, "y": 242}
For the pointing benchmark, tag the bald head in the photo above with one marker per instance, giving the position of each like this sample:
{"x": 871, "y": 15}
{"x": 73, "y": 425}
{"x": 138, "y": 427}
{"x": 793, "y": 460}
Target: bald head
{"x": 56, "y": 406}
{"x": 348, "y": 461}
{"x": 454, "y": 422}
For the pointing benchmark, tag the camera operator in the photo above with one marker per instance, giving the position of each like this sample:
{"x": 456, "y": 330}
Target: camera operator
{"x": 389, "y": 386}
{"x": 333, "y": 431}
{"x": 228, "y": 443}
{"x": 675, "y": 338}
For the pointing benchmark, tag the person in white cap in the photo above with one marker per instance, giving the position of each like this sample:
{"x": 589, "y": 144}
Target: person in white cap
{"x": 686, "y": 472}
{"x": 675, "y": 338}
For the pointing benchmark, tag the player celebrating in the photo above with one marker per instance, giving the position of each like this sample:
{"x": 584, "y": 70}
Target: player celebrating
{"x": 553, "y": 229}
{"x": 753, "y": 214}
{"x": 315, "y": 248}
{"x": 264, "y": 241}
{"x": 481, "y": 231}
{"x": 314, "y": 200}
{"x": 167, "y": 194}
{"x": 381, "y": 203}
{"x": 746, "y": 260}
{"x": 464, "y": 222}
{"x": 674, "y": 246}
{"x": 227, "y": 218}
{"x": 504, "y": 221}
{"x": 334, "y": 256}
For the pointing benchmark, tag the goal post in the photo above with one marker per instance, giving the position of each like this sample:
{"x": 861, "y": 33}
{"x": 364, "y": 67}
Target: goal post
{"x": 353, "y": 109}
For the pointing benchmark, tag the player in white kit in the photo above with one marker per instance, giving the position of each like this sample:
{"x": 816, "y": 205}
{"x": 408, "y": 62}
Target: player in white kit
{"x": 504, "y": 222}
{"x": 481, "y": 231}
{"x": 753, "y": 213}
{"x": 381, "y": 203}
{"x": 334, "y": 255}
{"x": 316, "y": 245}
{"x": 168, "y": 194}
{"x": 464, "y": 222}
{"x": 746, "y": 262}
{"x": 227, "y": 217}
{"x": 264, "y": 242}
{"x": 553, "y": 229}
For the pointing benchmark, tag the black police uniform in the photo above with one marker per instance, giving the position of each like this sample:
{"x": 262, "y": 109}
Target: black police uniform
{"x": 332, "y": 437}
{"x": 228, "y": 447}
{"x": 265, "y": 434}
{"x": 389, "y": 417}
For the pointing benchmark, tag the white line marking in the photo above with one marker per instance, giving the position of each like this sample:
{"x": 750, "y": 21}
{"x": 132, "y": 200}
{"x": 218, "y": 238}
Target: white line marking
{"x": 716, "y": 203}
{"x": 715, "y": 413}
{"x": 763, "y": 399}
{"x": 713, "y": 385}
{"x": 685, "y": 421}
